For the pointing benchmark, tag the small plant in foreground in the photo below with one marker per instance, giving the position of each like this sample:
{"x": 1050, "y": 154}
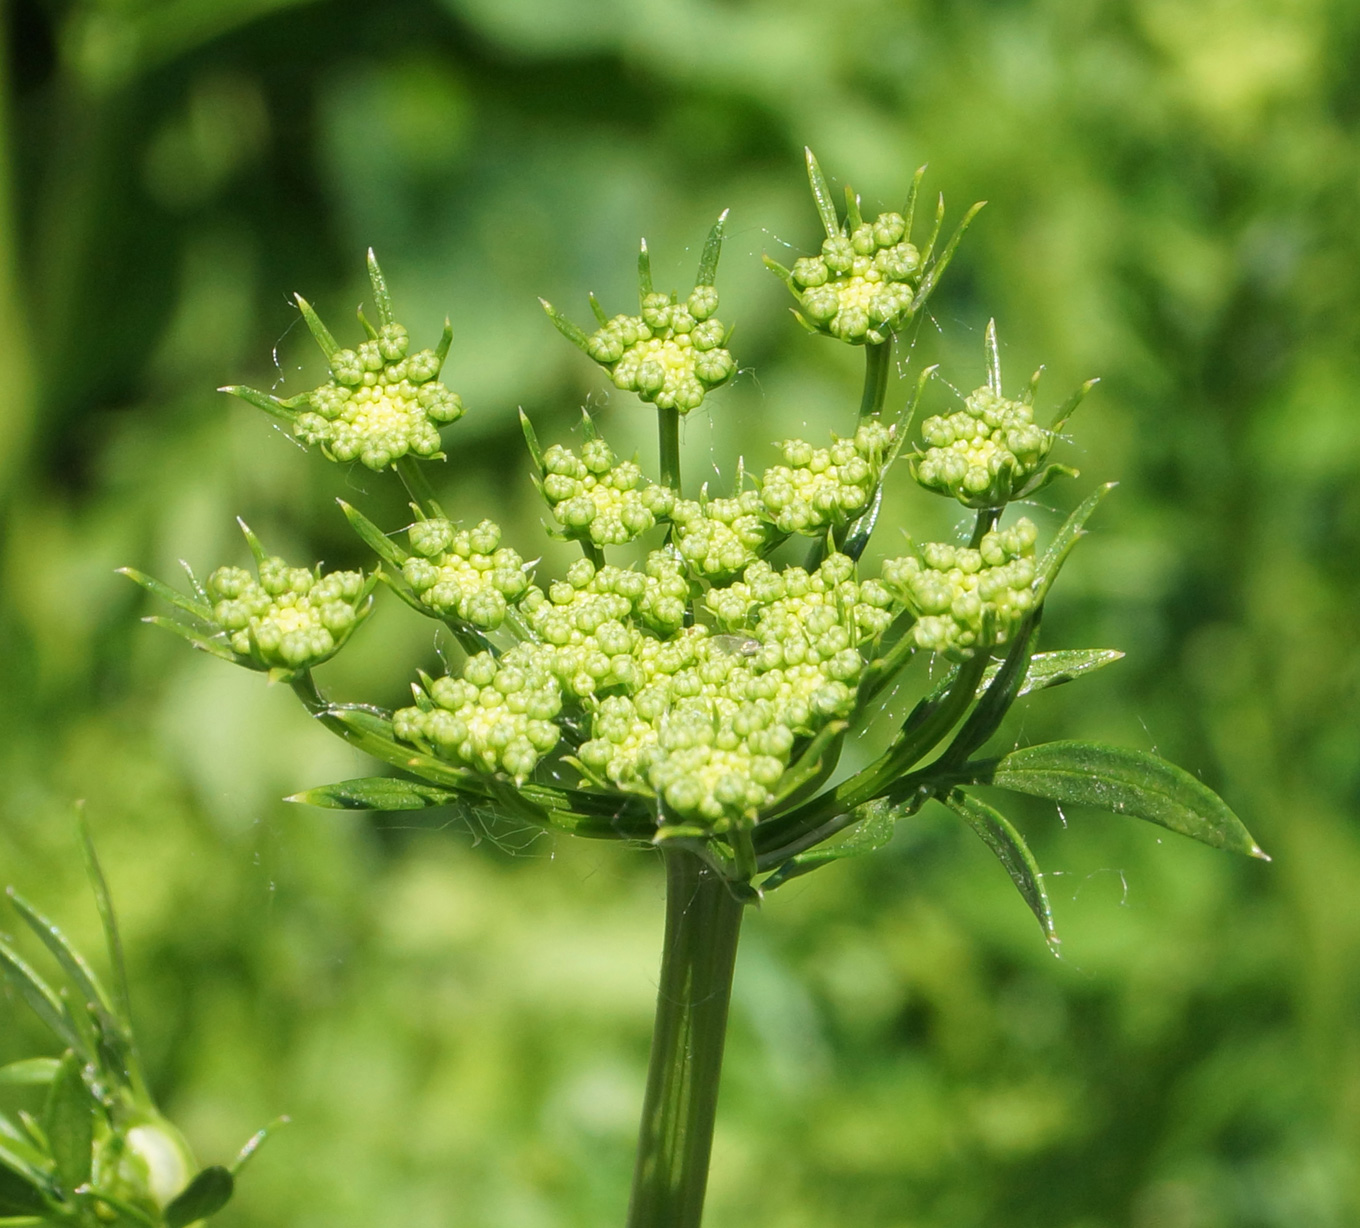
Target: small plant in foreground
{"x": 101, "y": 1153}
{"x": 699, "y": 701}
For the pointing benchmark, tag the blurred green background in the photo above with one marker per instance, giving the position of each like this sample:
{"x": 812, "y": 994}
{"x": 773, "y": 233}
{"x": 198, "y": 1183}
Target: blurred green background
{"x": 458, "y": 1024}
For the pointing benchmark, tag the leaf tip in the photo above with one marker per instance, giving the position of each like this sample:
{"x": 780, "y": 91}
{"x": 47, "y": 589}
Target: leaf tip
{"x": 1258, "y": 852}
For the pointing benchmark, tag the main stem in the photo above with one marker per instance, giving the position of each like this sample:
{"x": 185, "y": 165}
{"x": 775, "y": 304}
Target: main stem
{"x": 703, "y": 922}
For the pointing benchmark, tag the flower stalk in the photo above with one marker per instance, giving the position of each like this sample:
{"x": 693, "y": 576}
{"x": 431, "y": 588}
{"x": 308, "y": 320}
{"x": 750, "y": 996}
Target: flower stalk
{"x": 703, "y": 924}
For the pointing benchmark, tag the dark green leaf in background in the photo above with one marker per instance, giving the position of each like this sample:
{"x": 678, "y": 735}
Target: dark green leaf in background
{"x": 68, "y": 1121}
{"x": 205, "y": 1195}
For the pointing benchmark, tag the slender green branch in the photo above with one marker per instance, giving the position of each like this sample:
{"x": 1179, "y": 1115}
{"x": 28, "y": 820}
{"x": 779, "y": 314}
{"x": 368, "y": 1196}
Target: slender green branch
{"x": 703, "y": 923}
{"x": 668, "y": 426}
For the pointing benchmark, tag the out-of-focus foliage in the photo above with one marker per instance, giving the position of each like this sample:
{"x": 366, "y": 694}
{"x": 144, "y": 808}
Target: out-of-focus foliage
{"x": 458, "y": 1028}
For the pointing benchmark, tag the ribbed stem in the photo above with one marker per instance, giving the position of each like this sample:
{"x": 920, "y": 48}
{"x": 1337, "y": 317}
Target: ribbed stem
{"x": 703, "y": 922}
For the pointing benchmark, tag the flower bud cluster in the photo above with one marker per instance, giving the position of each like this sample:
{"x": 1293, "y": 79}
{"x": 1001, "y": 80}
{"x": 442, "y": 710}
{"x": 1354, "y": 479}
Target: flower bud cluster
{"x": 720, "y": 537}
{"x": 966, "y": 599}
{"x": 497, "y": 716}
{"x": 712, "y": 726}
{"x": 291, "y": 618}
{"x": 590, "y": 625}
{"x": 598, "y": 498}
{"x": 672, "y": 354}
{"x": 465, "y": 573}
{"x": 863, "y": 284}
{"x": 984, "y": 453}
{"x": 818, "y": 487}
{"x": 380, "y": 403}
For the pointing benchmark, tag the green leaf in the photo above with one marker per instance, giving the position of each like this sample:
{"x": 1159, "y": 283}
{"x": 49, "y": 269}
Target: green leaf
{"x": 19, "y": 1196}
{"x": 821, "y": 193}
{"x": 708, "y": 260}
{"x": 318, "y": 330}
{"x": 1048, "y": 669}
{"x": 1072, "y": 531}
{"x": 531, "y": 440}
{"x": 1125, "y": 782}
{"x": 68, "y": 1121}
{"x": 567, "y": 328}
{"x": 1010, "y": 848}
{"x": 108, "y": 919}
{"x": 29, "y": 1072}
{"x": 177, "y": 599}
{"x": 38, "y": 994}
{"x": 441, "y": 349}
{"x": 20, "y": 1156}
{"x": 932, "y": 279}
{"x": 993, "y": 352}
{"x": 261, "y": 400}
{"x": 1045, "y": 477}
{"x": 780, "y": 272}
{"x": 205, "y": 1195}
{"x": 1070, "y": 405}
{"x": 71, "y": 960}
{"x": 909, "y": 209}
{"x": 373, "y": 537}
{"x": 382, "y": 300}
{"x": 200, "y": 641}
{"x": 254, "y": 1142}
{"x": 871, "y": 832}
{"x": 644, "y": 270}
{"x": 375, "y": 793}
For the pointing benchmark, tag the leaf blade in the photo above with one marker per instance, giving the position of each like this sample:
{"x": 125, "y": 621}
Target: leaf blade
{"x": 68, "y": 1121}
{"x": 999, "y": 835}
{"x": 205, "y": 1195}
{"x": 375, "y": 793}
{"x": 1125, "y": 782}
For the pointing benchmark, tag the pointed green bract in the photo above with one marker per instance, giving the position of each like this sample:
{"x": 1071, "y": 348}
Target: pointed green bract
{"x": 1072, "y": 531}
{"x": 1124, "y": 781}
{"x": 673, "y": 353}
{"x": 375, "y": 793}
{"x": 999, "y": 835}
{"x": 1048, "y": 669}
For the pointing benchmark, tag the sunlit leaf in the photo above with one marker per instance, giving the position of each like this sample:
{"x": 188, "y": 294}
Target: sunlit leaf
{"x": 1126, "y": 782}
{"x": 375, "y": 793}
{"x": 1048, "y": 669}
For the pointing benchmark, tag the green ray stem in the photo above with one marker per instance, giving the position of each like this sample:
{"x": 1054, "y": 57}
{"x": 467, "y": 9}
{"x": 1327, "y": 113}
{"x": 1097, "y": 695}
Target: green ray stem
{"x": 703, "y": 923}
{"x": 877, "y": 363}
{"x": 668, "y": 424}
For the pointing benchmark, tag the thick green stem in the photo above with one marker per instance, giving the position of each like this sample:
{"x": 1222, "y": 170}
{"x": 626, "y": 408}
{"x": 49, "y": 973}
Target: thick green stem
{"x": 668, "y": 426}
{"x": 703, "y": 922}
